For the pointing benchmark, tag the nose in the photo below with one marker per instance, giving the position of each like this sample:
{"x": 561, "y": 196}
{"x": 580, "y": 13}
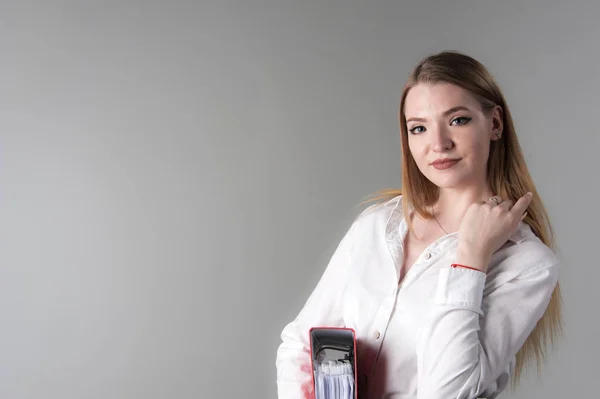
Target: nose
{"x": 440, "y": 140}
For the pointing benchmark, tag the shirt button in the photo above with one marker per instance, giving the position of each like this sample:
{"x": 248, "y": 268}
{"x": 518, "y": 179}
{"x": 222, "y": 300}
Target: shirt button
{"x": 427, "y": 255}
{"x": 376, "y": 335}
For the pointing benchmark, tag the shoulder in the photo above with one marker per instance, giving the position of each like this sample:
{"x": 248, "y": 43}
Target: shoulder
{"x": 531, "y": 249}
{"x": 379, "y": 212}
{"x": 373, "y": 221}
{"x": 526, "y": 254}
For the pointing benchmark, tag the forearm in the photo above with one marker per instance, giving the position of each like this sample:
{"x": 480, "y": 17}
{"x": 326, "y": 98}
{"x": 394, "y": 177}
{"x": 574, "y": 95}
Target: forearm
{"x": 468, "y": 339}
{"x": 293, "y": 370}
{"x": 449, "y": 351}
{"x": 473, "y": 258}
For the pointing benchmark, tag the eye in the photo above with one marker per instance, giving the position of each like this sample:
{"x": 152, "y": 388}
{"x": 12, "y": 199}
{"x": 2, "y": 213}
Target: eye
{"x": 412, "y": 131}
{"x": 464, "y": 120}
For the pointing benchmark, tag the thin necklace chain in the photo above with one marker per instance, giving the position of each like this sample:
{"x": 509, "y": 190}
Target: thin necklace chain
{"x": 438, "y": 223}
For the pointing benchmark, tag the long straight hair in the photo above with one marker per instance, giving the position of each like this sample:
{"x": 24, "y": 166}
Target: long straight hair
{"x": 507, "y": 174}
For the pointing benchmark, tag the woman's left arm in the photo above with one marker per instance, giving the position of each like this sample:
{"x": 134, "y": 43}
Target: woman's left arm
{"x": 467, "y": 340}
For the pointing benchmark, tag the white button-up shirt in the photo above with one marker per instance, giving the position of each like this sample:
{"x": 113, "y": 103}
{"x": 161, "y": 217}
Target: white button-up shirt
{"x": 442, "y": 332}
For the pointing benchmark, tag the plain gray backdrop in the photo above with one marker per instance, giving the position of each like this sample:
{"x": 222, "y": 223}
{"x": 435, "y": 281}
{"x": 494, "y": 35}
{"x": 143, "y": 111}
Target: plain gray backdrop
{"x": 175, "y": 175}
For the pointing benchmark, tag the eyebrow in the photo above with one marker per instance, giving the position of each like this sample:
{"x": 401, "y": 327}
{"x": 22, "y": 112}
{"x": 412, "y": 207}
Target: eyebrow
{"x": 446, "y": 113}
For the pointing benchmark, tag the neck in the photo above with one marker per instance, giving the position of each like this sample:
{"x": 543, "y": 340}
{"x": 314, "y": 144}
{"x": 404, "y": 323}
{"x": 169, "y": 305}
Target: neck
{"x": 452, "y": 205}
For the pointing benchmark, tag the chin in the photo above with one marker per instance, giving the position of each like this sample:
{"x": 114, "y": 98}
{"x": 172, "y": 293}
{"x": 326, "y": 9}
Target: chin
{"x": 447, "y": 181}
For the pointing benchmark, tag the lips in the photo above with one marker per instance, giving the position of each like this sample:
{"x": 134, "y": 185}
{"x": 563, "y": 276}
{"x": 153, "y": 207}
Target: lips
{"x": 441, "y": 164}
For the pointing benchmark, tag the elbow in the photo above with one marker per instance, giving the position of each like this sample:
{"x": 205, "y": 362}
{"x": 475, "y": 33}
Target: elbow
{"x": 461, "y": 383}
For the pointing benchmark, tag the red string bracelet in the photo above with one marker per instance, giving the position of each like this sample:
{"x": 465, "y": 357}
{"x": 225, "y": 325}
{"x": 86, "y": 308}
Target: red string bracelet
{"x": 463, "y": 266}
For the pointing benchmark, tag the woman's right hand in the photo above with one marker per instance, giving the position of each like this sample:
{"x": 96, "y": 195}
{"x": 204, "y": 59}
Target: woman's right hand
{"x": 307, "y": 387}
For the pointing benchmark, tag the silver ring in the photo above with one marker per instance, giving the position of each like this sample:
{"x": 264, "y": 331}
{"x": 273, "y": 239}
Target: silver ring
{"x": 495, "y": 200}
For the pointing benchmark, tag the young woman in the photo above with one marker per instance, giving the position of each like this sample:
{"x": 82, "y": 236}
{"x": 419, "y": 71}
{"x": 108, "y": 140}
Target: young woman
{"x": 452, "y": 284}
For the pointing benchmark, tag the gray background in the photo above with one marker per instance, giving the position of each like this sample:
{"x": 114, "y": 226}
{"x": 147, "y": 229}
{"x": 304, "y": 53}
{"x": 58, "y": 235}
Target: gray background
{"x": 175, "y": 175}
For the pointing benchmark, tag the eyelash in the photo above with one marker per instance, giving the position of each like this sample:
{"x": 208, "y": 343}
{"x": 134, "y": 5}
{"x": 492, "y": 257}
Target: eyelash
{"x": 467, "y": 120}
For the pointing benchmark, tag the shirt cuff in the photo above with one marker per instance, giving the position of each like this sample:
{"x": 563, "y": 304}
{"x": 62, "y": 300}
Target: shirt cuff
{"x": 460, "y": 288}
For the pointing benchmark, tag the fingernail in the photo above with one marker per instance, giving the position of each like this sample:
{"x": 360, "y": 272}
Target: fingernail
{"x": 530, "y": 194}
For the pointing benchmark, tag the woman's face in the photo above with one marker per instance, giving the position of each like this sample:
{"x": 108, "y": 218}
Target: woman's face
{"x": 445, "y": 121}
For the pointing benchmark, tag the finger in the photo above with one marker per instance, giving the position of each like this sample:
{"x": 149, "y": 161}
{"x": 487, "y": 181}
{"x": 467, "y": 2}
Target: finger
{"x": 306, "y": 367}
{"x": 495, "y": 200}
{"x": 524, "y": 216}
{"x": 506, "y": 204}
{"x": 521, "y": 205}
{"x": 307, "y": 390}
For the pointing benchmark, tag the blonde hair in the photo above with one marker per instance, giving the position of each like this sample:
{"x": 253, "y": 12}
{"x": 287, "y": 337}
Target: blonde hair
{"x": 507, "y": 174}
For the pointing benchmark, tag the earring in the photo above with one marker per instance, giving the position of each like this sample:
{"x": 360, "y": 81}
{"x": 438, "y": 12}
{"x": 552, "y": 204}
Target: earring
{"x": 498, "y": 135}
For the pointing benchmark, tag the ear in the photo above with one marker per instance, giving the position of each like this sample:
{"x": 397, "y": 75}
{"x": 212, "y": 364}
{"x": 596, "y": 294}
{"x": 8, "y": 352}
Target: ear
{"x": 497, "y": 126}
